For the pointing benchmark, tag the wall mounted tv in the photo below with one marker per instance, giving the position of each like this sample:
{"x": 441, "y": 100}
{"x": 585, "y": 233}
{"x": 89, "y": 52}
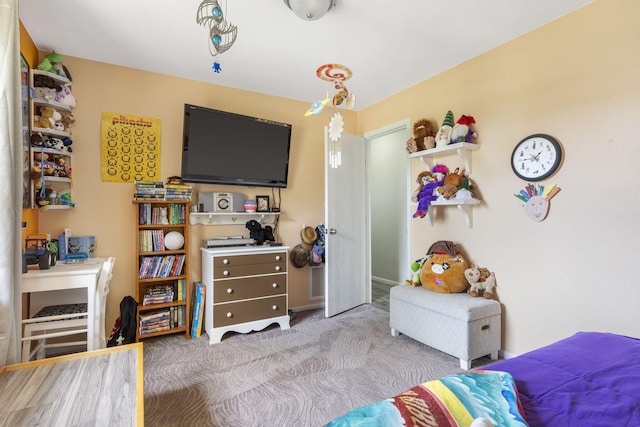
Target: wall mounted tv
{"x": 219, "y": 147}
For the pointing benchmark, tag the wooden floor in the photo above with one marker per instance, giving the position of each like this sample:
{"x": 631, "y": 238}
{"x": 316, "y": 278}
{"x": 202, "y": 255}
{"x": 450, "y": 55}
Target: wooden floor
{"x": 380, "y": 295}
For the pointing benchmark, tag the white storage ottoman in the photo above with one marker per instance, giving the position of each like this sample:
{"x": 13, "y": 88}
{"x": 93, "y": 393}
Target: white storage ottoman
{"x": 457, "y": 324}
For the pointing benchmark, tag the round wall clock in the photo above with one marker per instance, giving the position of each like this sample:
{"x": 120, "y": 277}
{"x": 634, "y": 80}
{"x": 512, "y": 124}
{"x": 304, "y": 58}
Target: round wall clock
{"x": 536, "y": 157}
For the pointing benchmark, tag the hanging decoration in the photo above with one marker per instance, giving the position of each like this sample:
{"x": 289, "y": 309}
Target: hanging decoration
{"x": 222, "y": 34}
{"x": 536, "y": 198}
{"x": 336, "y": 126}
{"x": 336, "y": 74}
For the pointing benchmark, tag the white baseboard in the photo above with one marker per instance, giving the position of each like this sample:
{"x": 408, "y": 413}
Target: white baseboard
{"x": 307, "y": 307}
{"x": 384, "y": 281}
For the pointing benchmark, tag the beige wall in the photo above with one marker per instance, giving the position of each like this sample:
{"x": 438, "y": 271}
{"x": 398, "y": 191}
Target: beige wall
{"x": 105, "y": 209}
{"x": 576, "y": 79}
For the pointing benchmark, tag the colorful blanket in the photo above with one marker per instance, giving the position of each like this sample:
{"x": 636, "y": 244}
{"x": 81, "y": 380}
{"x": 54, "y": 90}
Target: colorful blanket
{"x": 455, "y": 400}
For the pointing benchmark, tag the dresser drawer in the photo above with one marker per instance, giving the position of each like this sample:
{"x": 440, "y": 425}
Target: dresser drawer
{"x": 248, "y": 311}
{"x": 231, "y": 271}
{"x": 249, "y": 287}
{"x": 229, "y": 260}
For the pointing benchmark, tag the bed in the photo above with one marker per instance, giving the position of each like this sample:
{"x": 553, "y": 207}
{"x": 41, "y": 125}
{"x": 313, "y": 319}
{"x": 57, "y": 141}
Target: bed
{"x": 590, "y": 379}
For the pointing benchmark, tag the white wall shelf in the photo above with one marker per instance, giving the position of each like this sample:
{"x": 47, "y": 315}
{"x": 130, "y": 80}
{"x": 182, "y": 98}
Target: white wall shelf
{"x": 231, "y": 218}
{"x": 462, "y": 149}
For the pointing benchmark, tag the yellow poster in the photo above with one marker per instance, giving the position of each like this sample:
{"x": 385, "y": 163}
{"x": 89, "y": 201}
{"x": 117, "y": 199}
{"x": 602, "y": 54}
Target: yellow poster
{"x": 130, "y": 148}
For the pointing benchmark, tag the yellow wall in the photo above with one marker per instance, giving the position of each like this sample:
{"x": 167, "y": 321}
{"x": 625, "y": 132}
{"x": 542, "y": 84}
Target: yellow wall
{"x": 105, "y": 209}
{"x": 576, "y": 79}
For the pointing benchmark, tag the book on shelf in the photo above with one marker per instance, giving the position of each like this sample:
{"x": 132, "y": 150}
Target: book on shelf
{"x": 198, "y": 310}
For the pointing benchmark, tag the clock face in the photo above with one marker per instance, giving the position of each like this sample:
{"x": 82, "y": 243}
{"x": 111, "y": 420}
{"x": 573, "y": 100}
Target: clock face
{"x": 536, "y": 157}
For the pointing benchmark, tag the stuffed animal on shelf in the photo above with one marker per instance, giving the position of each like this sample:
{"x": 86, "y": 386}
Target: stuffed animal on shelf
{"x": 424, "y": 132}
{"x": 423, "y": 179}
{"x": 481, "y": 281}
{"x": 462, "y": 131}
{"x": 48, "y": 117}
{"x": 443, "y": 269}
{"x": 452, "y": 182}
{"x": 64, "y": 96}
{"x": 443, "y": 137}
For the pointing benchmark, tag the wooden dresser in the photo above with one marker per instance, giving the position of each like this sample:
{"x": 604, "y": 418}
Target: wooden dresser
{"x": 246, "y": 289}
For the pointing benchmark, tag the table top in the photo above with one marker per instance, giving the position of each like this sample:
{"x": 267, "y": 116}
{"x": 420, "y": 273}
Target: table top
{"x": 88, "y": 266}
{"x": 101, "y": 387}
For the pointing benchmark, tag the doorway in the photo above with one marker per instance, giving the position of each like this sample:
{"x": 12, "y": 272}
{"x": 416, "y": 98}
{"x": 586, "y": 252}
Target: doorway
{"x": 388, "y": 185}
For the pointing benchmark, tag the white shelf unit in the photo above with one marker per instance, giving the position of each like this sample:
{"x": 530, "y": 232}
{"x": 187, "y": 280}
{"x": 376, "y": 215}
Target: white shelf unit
{"x": 463, "y": 150}
{"x": 231, "y": 218}
{"x": 60, "y": 185}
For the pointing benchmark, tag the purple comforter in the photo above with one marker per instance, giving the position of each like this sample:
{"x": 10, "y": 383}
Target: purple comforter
{"x": 590, "y": 379}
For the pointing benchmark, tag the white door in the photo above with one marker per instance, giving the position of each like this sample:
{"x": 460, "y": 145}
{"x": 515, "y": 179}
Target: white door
{"x": 346, "y": 283}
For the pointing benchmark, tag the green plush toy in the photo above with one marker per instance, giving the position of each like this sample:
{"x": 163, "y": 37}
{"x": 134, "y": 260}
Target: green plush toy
{"x": 416, "y": 267}
{"x": 49, "y": 61}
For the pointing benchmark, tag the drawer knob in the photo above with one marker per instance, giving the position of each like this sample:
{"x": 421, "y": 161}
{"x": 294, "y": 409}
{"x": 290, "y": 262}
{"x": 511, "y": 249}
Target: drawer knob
{"x": 277, "y": 268}
{"x": 225, "y": 261}
{"x": 225, "y": 273}
{"x": 275, "y": 307}
{"x": 278, "y": 258}
{"x": 229, "y": 314}
{"x": 229, "y": 291}
{"x": 275, "y": 285}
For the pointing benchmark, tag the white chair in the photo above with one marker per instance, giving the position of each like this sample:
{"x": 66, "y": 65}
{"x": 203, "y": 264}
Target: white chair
{"x": 67, "y": 320}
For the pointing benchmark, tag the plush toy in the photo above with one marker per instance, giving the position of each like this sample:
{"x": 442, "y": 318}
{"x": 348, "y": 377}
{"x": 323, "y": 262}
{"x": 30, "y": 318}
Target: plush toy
{"x": 416, "y": 267}
{"x": 423, "y": 179}
{"x": 427, "y": 195}
{"x": 424, "y": 132}
{"x": 259, "y": 234}
{"x": 64, "y": 96}
{"x": 452, "y": 182}
{"x": 41, "y": 80}
{"x": 462, "y": 131}
{"x": 47, "y": 63}
{"x": 443, "y": 269}
{"x": 481, "y": 280}
{"x": 36, "y": 139}
{"x": 443, "y": 137}
{"x": 44, "y": 93}
{"x": 48, "y": 117}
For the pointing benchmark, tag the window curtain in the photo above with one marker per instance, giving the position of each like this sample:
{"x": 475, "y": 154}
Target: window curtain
{"x": 11, "y": 188}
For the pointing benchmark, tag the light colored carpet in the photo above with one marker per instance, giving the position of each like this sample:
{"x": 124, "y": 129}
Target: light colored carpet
{"x": 304, "y": 376}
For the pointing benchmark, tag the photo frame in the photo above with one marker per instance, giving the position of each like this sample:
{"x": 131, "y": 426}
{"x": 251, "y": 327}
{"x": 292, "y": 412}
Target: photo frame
{"x": 262, "y": 203}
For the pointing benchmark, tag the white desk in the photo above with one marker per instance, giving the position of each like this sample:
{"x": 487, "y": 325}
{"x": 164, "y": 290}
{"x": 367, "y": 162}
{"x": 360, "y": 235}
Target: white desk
{"x": 70, "y": 276}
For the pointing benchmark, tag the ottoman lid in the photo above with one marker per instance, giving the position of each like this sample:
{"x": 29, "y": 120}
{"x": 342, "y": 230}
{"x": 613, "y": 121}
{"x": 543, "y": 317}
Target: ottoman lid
{"x": 460, "y": 305}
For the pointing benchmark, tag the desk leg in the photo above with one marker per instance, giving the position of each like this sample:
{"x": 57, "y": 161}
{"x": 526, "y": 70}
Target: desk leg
{"x": 91, "y": 326}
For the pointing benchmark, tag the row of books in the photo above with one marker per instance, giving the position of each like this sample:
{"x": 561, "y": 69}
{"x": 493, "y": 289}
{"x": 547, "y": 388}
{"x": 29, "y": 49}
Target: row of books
{"x": 197, "y": 309}
{"x": 173, "y": 214}
{"x": 161, "y": 266}
{"x": 165, "y": 293}
{"x": 151, "y": 241}
{"x": 164, "y": 320}
{"x": 157, "y": 190}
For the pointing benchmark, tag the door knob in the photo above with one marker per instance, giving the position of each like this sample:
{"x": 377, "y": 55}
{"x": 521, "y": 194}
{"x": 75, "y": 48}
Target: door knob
{"x": 332, "y": 231}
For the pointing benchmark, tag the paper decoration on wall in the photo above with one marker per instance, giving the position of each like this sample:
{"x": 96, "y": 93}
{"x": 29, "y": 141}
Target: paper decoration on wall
{"x": 222, "y": 34}
{"x": 130, "y": 148}
{"x": 336, "y": 74}
{"x": 536, "y": 198}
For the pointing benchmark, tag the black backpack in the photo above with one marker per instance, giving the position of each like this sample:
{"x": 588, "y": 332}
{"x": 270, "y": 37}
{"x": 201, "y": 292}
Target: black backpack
{"x": 124, "y": 331}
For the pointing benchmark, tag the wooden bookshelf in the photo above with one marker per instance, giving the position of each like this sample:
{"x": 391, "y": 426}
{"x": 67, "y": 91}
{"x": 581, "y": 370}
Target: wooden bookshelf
{"x": 162, "y": 282}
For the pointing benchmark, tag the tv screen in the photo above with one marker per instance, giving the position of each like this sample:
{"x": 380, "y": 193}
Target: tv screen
{"x": 226, "y": 148}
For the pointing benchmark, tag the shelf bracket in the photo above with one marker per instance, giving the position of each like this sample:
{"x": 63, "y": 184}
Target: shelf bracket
{"x": 468, "y": 216}
{"x": 466, "y": 157}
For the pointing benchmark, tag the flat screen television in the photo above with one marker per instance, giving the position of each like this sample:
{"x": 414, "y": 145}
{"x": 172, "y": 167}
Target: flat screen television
{"x": 219, "y": 147}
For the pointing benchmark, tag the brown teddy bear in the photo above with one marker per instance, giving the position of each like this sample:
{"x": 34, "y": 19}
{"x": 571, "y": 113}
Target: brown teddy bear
{"x": 424, "y": 132}
{"x": 48, "y": 117}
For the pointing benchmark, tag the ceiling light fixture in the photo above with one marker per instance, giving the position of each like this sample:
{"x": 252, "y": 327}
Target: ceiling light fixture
{"x": 310, "y": 10}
